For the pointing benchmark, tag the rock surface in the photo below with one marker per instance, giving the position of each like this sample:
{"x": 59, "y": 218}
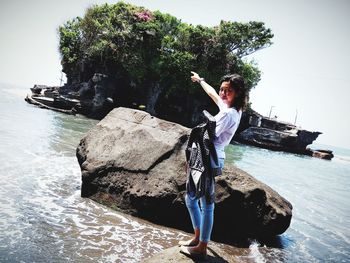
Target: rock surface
{"x": 215, "y": 255}
{"x": 135, "y": 163}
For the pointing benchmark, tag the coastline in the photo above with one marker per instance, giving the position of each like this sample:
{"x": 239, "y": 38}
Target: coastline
{"x": 254, "y": 129}
{"x": 55, "y": 222}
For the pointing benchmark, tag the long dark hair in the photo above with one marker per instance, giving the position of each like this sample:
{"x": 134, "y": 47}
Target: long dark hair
{"x": 237, "y": 84}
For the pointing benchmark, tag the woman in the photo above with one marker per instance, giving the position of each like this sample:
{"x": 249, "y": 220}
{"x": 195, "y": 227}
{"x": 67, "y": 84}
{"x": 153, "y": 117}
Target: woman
{"x": 230, "y": 100}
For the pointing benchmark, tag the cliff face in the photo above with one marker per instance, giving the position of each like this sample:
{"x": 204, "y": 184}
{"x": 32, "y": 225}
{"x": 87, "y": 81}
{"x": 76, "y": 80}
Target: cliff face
{"x": 101, "y": 93}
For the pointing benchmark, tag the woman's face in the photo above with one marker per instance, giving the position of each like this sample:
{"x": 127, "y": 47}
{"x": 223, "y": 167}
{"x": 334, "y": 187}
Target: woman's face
{"x": 226, "y": 93}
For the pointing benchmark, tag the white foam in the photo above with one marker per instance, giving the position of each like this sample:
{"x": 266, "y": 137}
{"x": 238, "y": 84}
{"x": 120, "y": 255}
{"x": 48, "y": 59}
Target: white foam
{"x": 255, "y": 254}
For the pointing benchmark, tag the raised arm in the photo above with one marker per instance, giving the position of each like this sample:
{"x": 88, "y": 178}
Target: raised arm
{"x": 207, "y": 88}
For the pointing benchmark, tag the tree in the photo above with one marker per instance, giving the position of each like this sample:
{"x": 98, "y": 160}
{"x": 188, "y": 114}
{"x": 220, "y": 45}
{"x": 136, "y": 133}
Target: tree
{"x": 155, "y": 53}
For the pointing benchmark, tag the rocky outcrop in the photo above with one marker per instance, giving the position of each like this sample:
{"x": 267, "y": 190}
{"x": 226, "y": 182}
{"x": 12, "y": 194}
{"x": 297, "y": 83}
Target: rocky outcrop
{"x": 94, "y": 98}
{"x": 269, "y": 133}
{"x": 288, "y": 141}
{"x": 96, "y": 94}
{"x": 135, "y": 163}
{"x": 323, "y": 154}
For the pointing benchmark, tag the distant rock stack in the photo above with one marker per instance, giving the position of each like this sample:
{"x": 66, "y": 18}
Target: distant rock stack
{"x": 269, "y": 133}
{"x": 323, "y": 154}
{"x": 135, "y": 163}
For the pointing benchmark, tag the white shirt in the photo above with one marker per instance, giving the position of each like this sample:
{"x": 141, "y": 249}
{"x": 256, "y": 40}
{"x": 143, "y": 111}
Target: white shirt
{"x": 227, "y": 121}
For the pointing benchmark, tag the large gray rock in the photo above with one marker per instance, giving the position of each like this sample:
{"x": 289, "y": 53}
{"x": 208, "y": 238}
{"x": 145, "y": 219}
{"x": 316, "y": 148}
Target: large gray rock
{"x": 135, "y": 163}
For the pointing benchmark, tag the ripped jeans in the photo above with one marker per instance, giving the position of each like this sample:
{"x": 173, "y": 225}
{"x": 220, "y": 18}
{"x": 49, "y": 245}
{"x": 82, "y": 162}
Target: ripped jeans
{"x": 202, "y": 217}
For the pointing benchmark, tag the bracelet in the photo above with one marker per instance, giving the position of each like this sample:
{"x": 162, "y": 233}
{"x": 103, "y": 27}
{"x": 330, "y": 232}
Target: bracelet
{"x": 200, "y": 80}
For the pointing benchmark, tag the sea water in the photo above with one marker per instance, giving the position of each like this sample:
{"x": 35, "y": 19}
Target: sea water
{"x": 44, "y": 219}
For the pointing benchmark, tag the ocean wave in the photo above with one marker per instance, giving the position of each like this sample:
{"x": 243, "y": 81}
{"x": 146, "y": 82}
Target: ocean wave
{"x": 255, "y": 254}
{"x": 341, "y": 158}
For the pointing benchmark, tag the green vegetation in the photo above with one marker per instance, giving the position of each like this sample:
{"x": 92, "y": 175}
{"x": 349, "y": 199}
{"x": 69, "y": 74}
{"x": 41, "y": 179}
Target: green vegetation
{"x": 155, "y": 53}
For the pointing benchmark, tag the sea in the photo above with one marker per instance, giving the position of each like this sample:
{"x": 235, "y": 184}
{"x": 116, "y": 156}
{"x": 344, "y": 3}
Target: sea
{"x": 43, "y": 218}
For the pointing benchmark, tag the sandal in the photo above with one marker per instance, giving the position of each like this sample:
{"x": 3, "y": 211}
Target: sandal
{"x": 188, "y": 243}
{"x": 192, "y": 254}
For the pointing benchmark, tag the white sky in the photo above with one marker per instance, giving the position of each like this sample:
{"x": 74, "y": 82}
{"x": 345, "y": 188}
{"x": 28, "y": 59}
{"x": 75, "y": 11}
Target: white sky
{"x": 306, "y": 69}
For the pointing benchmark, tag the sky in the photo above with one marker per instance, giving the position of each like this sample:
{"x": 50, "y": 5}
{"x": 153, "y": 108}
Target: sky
{"x": 305, "y": 73}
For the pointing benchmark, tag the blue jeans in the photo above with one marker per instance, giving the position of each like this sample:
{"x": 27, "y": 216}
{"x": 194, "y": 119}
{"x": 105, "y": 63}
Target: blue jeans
{"x": 202, "y": 217}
